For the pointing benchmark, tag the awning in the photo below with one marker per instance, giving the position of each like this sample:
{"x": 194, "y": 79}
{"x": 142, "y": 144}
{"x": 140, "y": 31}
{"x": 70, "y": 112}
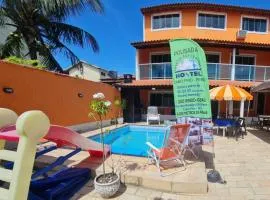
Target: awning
{"x": 263, "y": 87}
{"x": 167, "y": 83}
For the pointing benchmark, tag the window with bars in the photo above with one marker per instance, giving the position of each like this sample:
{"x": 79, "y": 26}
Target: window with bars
{"x": 254, "y": 24}
{"x": 166, "y": 21}
{"x": 215, "y": 21}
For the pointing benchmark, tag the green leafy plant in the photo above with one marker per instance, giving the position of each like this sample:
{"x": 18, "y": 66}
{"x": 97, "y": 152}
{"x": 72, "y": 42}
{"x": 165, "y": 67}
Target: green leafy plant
{"x": 21, "y": 61}
{"x": 120, "y": 105}
{"x": 100, "y": 107}
{"x": 40, "y": 29}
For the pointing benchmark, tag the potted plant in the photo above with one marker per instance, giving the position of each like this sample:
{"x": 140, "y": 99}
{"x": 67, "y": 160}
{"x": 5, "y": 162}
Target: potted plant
{"x": 120, "y": 104}
{"x": 106, "y": 184}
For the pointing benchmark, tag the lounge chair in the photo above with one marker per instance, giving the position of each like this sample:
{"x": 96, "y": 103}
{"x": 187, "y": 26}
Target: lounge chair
{"x": 171, "y": 150}
{"x": 152, "y": 114}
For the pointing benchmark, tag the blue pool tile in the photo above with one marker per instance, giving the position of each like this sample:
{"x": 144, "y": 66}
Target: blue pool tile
{"x": 131, "y": 140}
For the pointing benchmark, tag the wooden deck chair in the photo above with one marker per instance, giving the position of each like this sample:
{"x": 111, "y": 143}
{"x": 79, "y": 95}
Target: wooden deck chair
{"x": 170, "y": 150}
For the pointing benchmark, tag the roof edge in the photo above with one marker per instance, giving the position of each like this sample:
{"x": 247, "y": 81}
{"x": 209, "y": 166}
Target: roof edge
{"x": 150, "y": 9}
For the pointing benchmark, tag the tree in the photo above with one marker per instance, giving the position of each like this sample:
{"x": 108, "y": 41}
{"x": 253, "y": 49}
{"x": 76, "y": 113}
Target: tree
{"x": 39, "y": 28}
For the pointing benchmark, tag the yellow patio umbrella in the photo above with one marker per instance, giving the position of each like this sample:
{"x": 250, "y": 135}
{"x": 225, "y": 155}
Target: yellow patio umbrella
{"x": 231, "y": 93}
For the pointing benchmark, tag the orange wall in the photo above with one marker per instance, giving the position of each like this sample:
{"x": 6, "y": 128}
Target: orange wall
{"x": 188, "y": 28}
{"x": 54, "y": 94}
{"x": 262, "y": 57}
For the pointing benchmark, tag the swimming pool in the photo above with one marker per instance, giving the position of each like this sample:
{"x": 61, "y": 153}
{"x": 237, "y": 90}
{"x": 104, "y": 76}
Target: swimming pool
{"x": 130, "y": 139}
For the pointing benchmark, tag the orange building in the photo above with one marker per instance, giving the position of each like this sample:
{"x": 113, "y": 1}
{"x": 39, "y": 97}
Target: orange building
{"x": 236, "y": 41}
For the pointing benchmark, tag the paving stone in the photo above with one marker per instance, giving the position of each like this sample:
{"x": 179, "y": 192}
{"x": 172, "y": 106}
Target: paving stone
{"x": 241, "y": 191}
{"x": 169, "y": 196}
{"x": 144, "y": 192}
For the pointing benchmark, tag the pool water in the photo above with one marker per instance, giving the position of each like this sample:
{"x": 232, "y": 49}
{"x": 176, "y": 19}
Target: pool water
{"x": 131, "y": 140}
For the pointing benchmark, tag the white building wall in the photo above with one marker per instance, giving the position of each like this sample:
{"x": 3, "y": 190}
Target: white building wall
{"x": 88, "y": 72}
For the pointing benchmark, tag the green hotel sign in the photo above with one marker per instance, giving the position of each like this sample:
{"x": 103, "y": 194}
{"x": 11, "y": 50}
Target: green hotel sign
{"x": 190, "y": 79}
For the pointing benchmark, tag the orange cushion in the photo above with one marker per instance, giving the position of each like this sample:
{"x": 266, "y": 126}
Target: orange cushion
{"x": 165, "y": 153}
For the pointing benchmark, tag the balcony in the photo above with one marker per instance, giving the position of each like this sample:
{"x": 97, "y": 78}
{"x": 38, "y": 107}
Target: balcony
{"x": 216, "y": 71}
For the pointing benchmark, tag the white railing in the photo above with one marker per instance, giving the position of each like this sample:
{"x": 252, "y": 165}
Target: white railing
{"x": 216, "y": 71}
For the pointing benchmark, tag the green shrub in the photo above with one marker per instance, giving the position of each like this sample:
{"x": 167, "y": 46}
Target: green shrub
{"x": 32, "y": 63}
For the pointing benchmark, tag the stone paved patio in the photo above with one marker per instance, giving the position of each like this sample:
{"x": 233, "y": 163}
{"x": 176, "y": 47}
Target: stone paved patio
{"x": 244, "y": 164}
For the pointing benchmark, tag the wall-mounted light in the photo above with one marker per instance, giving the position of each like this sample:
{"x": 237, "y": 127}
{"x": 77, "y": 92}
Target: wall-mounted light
{"x": 153, "y": 88}
{"x": 8, "y": 90}
{"x": 80, "y": 95}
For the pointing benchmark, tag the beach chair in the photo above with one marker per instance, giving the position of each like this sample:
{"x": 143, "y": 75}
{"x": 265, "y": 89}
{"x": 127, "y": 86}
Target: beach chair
{"x": 152, "y": 114}
{"x": 182, "y": 140}
{"x": 171, "y": 151}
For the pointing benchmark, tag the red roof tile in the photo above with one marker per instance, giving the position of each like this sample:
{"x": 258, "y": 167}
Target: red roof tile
{"x": 168, "y": 83}
{"x": 202, "y": 5}
{"x": 202, "y": 42}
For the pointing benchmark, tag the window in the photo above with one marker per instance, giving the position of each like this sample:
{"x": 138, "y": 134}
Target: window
{"x": 166, "y": 21}
{"x": 244, "y": 67}
{"x": 215, "y": 21}
{"x": 254, "y": 24}
{"x": 161, "y": 67}
{"x": 162, "y": 99}
{"x": 213, "y": 65}
{"x": 103, "y": 73}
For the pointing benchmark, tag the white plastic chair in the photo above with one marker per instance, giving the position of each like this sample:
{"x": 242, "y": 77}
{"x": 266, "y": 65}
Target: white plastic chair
{"x": 152, "y": 114}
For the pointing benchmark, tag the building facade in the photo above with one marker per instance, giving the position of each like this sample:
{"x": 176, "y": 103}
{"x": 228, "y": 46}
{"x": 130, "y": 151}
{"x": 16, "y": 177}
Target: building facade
{"x": 88, "y": 72}
{"x": 236, "y": 41}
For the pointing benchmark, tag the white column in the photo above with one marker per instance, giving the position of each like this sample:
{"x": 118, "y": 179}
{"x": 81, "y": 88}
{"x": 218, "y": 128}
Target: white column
{"x": 137, "y": 65}
{"x": 242, "y": 108}
{"x": 233, "y": 64}
{"x": 230, "y": 107}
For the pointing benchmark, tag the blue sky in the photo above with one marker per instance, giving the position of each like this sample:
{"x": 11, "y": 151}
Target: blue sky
{"x": 120, "y": 25}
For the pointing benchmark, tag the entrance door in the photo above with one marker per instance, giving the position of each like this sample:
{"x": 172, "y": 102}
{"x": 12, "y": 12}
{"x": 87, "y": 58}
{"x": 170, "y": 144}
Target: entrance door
{"x": 214, "y": 107}
{"x": 260, "y": 103}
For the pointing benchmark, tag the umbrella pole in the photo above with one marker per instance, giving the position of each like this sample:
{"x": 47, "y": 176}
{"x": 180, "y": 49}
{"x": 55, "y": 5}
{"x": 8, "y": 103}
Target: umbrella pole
{"x": 248, "y": 108}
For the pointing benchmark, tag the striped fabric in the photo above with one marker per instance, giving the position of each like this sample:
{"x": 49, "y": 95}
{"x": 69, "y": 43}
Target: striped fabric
{"x": 229, "y": 92}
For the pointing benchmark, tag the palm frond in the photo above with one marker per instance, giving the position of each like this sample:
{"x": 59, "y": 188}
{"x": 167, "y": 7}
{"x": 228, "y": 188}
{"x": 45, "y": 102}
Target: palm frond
{"x": 61, "y": 48}
{"x": 12, "y": 46}
{"x": 74, "y": 35}
{"x": 60, "y": 9}
{"x": 2, "y": 17}
{"x": 48, "y": 60}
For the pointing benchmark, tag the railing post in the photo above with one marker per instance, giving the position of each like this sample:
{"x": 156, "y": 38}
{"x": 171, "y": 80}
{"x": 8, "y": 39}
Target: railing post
{"x": 150, "y": 67}
{"x": 31, "y": 126}
{"x": 216, "y": 75}
{"x": 138, "y": 69}
{"x": 164, "y": 67}
{"x": 264, "y": 77}
{"x": 254, "y": 73}
{"x": 249, "y": 73}
{"x": 233, "y": 65}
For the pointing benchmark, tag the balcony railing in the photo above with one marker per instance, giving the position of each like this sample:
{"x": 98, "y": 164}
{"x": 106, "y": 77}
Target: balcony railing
{"x": 216, "y": 71}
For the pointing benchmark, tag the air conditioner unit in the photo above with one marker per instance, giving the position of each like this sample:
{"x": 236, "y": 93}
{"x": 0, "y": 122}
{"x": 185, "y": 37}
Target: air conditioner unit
{"x": 241, "y": 34}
